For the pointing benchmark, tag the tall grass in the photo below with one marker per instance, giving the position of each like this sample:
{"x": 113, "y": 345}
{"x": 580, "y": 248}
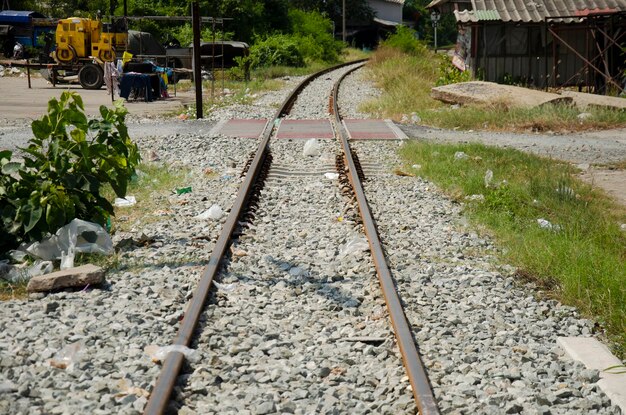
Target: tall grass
{"x": 407, "y": 79}
{"x": 581, "y": 260}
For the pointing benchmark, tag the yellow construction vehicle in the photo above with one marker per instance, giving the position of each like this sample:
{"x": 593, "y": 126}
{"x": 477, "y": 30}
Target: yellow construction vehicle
{"x": 86, "y": 44}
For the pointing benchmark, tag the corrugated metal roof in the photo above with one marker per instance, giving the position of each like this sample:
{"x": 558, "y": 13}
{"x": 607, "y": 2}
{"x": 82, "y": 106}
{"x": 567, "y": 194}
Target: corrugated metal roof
{"x": 534, "y": 10}
{"x": 18, "y": 16}
{"x": 476, "y": 16}
{"x": 395, "y": 1}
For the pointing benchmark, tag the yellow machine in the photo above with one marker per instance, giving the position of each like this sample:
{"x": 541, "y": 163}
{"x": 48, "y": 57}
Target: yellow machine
{"x": 78, "y": 38}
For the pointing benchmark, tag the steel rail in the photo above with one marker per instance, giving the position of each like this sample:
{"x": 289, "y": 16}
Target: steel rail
{"x": 160, "y": 395}
{"x": 422, "y": 391}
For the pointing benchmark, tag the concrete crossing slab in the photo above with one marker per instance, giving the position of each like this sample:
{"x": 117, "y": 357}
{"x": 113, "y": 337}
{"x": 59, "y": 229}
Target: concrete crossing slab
{"x": 371, "y": 129}
{"x": 237, "y": 127}
{"x": 305, "y": 129}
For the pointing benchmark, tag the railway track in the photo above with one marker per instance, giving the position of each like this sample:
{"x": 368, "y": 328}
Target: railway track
{"x": 324, "y": 299}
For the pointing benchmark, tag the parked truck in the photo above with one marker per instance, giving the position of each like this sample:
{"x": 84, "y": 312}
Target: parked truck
{"x": 83, "y": 45}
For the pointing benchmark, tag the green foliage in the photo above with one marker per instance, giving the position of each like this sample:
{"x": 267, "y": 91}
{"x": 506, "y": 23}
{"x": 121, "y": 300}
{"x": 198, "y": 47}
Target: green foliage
{"x": 314, "y": 35}
{"x": 276, "y": 50}
{"x": 64, "y": 167}
{"x": 405, "y": 39}
{"x": 450, "y": 74}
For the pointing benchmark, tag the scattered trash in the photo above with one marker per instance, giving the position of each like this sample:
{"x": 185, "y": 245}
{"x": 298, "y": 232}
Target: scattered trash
{"x": 355, "y": 245}
{"x": 158, "y": 354}
{"x": 183, "y": 190}
{"x": 183, "y": 116}
{"x": 226, "y": 177}
{"x": 163, "y": 212}
{"x": 331, "y": 176}
{"x": 67, "y": 356}
{"x": 23, "y": 273}
{"x": 417, "y": 166}
{"x": 215, "y": 212}
{"x": 237, "y": 252}
{"x": 488, "y": 178}
{"x": 79, "y": 235}
{"x": 67, "y": 258}
{"x": 402, "y": 173}
{"x": 124, "y": 202}
{"x": 225, "y": 287}
{"x": 546, "y": 224}
{"x": 623, "y": 227}
{"x": 208, "y": 171}
{"x": 415, "y": 118}
{"x": 126, "y": 388}
{"x": 311, "y": 148}
{"x": 459, "y": 155}
{"x": 583, "y": 116}
{"x": 475, "y": 198}
{"x": 153, "y": 156}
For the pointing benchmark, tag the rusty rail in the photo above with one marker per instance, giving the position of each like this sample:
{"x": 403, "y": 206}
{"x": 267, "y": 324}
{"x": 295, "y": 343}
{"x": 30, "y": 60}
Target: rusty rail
{"x": 159, "y": 398}
{"x": 422, "y": 390}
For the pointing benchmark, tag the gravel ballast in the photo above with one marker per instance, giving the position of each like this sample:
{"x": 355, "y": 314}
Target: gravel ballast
{"x": 297, "y": 323}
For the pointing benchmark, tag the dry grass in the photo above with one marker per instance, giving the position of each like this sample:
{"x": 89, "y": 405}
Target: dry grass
{"x": 407, "y": 80}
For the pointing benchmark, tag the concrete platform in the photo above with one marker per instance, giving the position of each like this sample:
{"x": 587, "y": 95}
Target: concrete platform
{"x": 243, "y": 128}
{"x": 305, "y": 129}
{"x": 595, "y": 355}
{"x": 373, "y": 130}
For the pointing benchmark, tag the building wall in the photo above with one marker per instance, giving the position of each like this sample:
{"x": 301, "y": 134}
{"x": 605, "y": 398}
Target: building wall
{"x": 526, "y": 54}
{"x": 387, "y": 10}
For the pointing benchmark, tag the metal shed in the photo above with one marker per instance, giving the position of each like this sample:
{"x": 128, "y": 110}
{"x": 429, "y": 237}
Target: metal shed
{"x": 542, "y": 43}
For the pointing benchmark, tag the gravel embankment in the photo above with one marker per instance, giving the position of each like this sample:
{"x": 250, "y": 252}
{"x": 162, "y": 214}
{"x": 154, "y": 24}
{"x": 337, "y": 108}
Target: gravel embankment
{"x": 296, "y": 326}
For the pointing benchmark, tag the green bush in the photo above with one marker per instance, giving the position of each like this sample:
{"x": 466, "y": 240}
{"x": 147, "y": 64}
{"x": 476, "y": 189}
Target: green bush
{"x": 405, "y": 39}
{"x": 63, "y": 170}
{"x": 276, "y": 50}
{"x": 450, "y": 74}
{"x": 314, "y": 35}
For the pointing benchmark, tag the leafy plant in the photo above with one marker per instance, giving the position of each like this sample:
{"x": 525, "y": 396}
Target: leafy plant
{"x": 450, "y": 74}
{"x": 406, "y": 40}
{"x": 276, "y": 50}
{"x": 64, "y": 167}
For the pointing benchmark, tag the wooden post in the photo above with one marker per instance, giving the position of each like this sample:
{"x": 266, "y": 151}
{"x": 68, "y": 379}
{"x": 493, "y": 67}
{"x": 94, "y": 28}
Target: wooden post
{"x": 28, "y": 72}
{"x": 197, "y": 76}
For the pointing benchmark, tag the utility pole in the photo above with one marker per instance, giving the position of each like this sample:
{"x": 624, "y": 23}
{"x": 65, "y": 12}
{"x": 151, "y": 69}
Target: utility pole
{"x": 197, "y": 76}
{"x": 343, "y": 21}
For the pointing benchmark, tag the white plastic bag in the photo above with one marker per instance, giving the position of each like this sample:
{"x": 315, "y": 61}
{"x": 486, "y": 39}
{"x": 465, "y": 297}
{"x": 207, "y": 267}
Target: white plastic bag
{"x": 158, "y": 354}
{"x": 331, "y": 176}
{"x": 488, "y": 178}
{"x": 355, "y": 245}
{"x": 215, "y": 212}
{"x": 67, "y": 356}
{"x": 82, "y": 236}
{"x": 124, "y": 202}
{"x": 311, "y": 148}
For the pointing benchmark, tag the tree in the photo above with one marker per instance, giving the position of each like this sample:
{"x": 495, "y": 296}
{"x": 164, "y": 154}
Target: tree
{"x": 357, "y": 11}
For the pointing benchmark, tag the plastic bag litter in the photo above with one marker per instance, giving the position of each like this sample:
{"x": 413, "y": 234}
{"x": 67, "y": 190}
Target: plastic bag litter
{"x": 158, "y": 353}
{"x": 475, "y": 198}
{"x": 488, "y": 178}
{"x": 331, "y": 176}
{"x": 67, "y": 356}
{"x": 82, "y": 236}
{"x": 20, "y": 273}
{"x": 546, "y": 224}
{"x": 225, "y": 287}
{"x": 124, "y": 202}
{"x": 311, "y": 148}
{"x": 215, "y": 212}
{"x": 355, "y": 245}
{"x": 459, "y": 155}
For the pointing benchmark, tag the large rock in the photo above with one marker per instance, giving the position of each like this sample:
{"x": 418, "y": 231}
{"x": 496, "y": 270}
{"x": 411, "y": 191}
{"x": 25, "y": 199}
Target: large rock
{"x": 478, "y": 92}
{"x": 584, "y": 101}
{"x": 74, "y": 277}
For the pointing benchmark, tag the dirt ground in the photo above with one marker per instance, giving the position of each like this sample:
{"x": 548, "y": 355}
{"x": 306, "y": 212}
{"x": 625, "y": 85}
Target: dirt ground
{"x": 19, "y": 103}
